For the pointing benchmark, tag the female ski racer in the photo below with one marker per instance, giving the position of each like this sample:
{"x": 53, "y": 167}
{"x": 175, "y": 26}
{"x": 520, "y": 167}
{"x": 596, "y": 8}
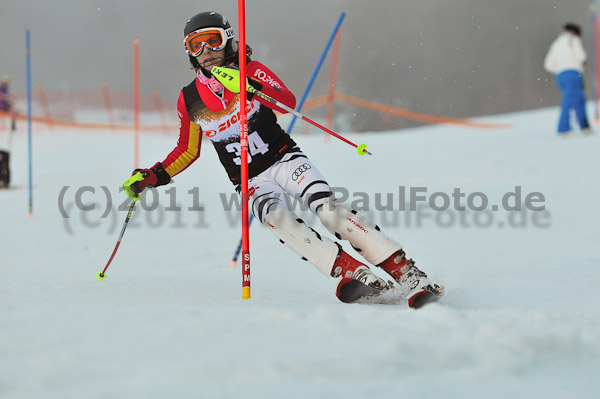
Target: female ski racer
{"x": 276, "y": 168}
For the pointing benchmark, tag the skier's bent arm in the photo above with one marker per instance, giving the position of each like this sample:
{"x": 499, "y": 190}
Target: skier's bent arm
{"x": 186, "y": 152}
{"x": 270, "y": 84}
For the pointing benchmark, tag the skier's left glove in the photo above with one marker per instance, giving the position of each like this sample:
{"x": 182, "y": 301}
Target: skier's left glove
{"x": 142, "y": 178}
{"x": 256, "y": 84}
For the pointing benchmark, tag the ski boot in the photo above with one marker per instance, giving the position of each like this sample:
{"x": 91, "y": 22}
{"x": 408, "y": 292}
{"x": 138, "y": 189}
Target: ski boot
{"x": 358, "y": 282}
{"x": 412, "y": 281}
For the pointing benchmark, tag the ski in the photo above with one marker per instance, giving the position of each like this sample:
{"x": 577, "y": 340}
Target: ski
{"x": 429, "y": 294}
{"x": 356, "y": 292}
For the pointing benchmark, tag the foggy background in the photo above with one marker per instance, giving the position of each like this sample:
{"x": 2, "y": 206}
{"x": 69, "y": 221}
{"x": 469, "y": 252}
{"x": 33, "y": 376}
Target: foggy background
{"x": 450, "y": 57}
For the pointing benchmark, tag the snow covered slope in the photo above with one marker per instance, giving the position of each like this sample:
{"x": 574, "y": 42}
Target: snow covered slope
{"x": 520, "y": 317}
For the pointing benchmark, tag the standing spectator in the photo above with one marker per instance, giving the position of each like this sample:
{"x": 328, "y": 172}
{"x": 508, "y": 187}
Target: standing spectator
{"x": 5, "y": 105}
{"x": 565, "y": 59}
{"x": 5, "y": 100}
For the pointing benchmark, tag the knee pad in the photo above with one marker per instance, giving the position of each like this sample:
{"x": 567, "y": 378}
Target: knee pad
{"x": 364, "y": 236}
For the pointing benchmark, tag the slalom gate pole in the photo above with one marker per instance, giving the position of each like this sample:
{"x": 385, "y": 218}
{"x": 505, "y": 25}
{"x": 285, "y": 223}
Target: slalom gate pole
{"x": 312, "y": 79}
{"x": 45, "y": 106}
{"x": 316, "y": 71}
{"x": 160, "y": 110}
{"x": 136, "y": 102}
{"x": 244, "y": 155}
{"x": 108, "y": 105}
{"x": 102, "y": 275}
{"x": 29, "y": 111}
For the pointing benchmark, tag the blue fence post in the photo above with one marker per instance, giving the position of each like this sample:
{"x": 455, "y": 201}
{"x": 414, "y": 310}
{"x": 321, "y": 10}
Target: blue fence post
{"x": 316, "y": 71}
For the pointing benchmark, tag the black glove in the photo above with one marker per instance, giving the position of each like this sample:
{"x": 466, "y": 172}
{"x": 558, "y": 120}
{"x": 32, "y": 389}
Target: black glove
{"x": 142, "y": 178}
{"x": 256, "y": 84}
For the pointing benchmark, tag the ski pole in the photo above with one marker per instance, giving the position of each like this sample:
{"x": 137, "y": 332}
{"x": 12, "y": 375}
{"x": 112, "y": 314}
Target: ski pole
{"x": 229, "y": 77}
{"x": 102, "y": 275}
{"x": 360, "y": 149}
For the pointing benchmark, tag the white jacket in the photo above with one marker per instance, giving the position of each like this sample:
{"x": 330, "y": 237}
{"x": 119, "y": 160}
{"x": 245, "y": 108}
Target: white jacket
{"x": 566, "y": 53}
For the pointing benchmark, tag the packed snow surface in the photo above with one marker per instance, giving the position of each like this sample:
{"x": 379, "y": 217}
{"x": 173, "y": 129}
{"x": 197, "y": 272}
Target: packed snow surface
{"x": 520, "y": 318}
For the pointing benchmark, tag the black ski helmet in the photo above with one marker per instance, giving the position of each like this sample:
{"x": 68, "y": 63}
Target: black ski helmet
{"x": 208, "y": 19}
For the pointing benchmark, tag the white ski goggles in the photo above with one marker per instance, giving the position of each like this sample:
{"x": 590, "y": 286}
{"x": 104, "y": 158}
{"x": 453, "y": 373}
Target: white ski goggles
{"x": 213, "y": 38}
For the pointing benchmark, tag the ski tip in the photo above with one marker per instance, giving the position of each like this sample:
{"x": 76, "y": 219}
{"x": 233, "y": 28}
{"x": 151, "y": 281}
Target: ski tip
{"x": 233, "y": 264}
{"x": 350, "y": 291}
{"x": 422, "y": 299}
{"x": 426, "y": 296}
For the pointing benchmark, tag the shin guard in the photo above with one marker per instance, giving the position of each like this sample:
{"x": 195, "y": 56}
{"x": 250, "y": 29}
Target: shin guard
{"x": 364, "y": 236}
{"x": 320, "y": 251}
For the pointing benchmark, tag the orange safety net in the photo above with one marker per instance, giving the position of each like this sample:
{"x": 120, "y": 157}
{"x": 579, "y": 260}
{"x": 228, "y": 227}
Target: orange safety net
{"x": 419, "y": 116}
{"x": 60, "y": 108}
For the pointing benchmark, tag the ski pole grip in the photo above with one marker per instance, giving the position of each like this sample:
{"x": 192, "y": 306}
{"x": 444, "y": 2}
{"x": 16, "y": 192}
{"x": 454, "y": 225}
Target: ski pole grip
{"x": 129, "y": 182}
{"x": 230, "y": 78}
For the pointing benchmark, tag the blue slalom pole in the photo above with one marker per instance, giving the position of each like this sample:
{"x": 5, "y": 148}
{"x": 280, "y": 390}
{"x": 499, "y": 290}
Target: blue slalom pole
{"x": 28, "y": 56}
{"x": 316, "y": 71}
{"x": 299, "y": 108}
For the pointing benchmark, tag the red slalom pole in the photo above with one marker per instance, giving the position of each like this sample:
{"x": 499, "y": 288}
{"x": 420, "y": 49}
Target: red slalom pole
{"x": 108, "y": 105}
{"x": 101, "y": 275}
{"x": 244, "y": 155}
{"x": 45, "y": 107}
